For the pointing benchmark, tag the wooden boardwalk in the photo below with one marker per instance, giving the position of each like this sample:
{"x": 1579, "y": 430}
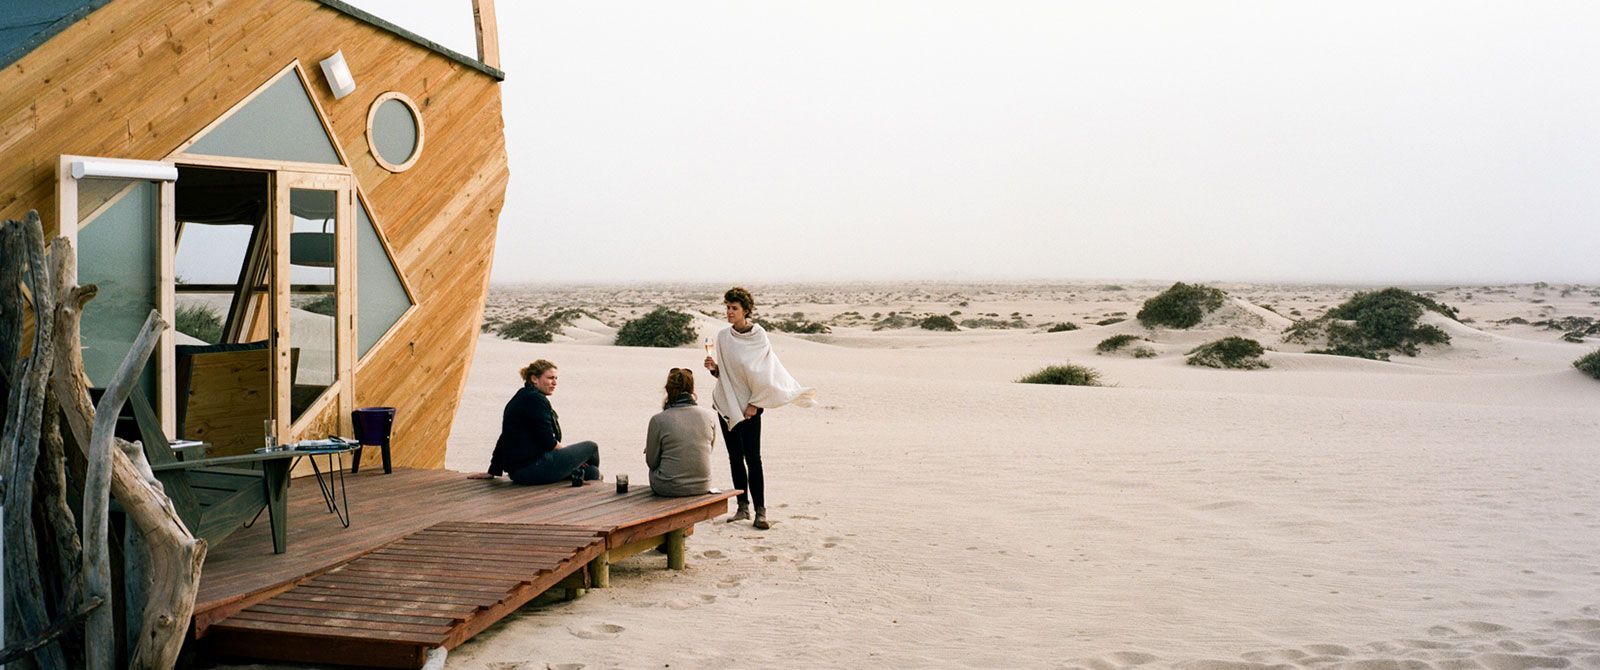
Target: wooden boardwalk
{"x": 416, "y": 519}
{"x": 436, "y": 587}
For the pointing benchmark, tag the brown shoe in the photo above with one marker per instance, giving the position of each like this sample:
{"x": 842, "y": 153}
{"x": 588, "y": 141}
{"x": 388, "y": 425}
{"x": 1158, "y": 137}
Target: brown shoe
{"x": 761, "y": 519}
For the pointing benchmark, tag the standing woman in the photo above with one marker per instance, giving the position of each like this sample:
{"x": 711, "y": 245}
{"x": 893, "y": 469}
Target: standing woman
{"x": 749, "y": 380}
{"x": 530, "y": 447}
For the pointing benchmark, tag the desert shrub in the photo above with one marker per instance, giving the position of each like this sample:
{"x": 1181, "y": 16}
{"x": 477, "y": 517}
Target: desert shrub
{"x": 527, "y": 329}
{"x": 1590, "y": 364}
{"x": 1114, "y": 343}
{"x": 795, "y": 324}
{"x": 894, "y": 320}
{"x": 1063, "y": 375}
{"x": 200, "y": 322}
{"x": 1063, "y": 327}
{"x": 1240, "y": 353}
{"x": 660, "y": 328}
{"x": 938, "y": 322}
{"x": 1181, "y": 306}
{"x": 1353, "y": 352}
{"x": 986, "y": 322}
{"x": 534, "y": 329}
{"x": 1107, "y": 322}
{"x": 1144, "y": 352}
{"x": 1373, "y": 322}
{"x": 327, "y": 305}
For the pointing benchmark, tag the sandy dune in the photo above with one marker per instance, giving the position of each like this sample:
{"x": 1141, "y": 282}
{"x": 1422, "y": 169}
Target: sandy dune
{"x": 1431, "y": 512}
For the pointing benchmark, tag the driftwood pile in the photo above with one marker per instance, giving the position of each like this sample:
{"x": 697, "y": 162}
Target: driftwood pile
{"x": 58, "y": 446}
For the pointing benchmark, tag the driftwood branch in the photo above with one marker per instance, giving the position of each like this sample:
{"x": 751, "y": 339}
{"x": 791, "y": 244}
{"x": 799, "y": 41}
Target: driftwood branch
{"x": 48, "y": 635}
{"x": 100, "y": 631}
{"x": 20, "y": 439}
{"x": 61, "y": 553}
{"x": 174, "y": 553}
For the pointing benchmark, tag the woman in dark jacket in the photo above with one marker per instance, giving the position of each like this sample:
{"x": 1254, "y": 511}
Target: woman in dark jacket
{"x": 530, "y": 448}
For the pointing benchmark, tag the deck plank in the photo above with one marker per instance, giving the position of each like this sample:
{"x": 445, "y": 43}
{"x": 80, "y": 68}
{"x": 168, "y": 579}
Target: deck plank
{"x": 430, "y": 559}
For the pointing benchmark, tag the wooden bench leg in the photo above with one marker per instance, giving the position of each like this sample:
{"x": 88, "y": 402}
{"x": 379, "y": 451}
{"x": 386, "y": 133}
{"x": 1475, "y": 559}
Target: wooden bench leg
{"x": 600, "y": 571}
{"x": 675, "y": 547}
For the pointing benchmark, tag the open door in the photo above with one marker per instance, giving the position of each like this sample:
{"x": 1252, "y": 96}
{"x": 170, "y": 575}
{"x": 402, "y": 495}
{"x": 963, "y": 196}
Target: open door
{"x": 119, "y": 216}
{"x": 313, "y": 323}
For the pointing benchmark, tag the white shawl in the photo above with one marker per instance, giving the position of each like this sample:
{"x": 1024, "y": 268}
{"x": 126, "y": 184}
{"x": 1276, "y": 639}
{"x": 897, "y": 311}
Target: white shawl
{"x": 748, "y": 373}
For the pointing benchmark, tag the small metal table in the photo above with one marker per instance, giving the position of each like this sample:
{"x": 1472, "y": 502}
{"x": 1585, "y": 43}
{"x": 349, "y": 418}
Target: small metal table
{"x": 338, "y": 502}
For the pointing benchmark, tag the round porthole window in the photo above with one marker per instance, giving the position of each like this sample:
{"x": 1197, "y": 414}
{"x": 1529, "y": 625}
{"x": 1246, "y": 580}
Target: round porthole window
{"x": 394, "y": 131}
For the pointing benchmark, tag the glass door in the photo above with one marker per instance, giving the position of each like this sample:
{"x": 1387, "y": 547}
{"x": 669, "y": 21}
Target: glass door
{"x": 313, "y": 321}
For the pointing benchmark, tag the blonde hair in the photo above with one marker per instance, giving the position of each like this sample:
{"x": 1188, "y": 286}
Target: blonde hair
{"x": 536, "y": 369}
{"x": 679, "y": 382}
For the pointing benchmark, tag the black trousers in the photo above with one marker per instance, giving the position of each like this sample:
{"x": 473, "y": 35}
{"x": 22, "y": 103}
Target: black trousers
{"x": 558, "y": 464}
{"x": 744, "y": 458}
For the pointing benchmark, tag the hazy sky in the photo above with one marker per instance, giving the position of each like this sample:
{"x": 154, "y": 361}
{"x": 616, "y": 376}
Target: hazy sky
{"x": 820, "y": 140}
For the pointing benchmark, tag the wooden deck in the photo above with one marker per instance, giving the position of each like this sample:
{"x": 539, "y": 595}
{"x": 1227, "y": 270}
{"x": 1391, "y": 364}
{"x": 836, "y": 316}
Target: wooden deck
{"x": 424, "y": 506}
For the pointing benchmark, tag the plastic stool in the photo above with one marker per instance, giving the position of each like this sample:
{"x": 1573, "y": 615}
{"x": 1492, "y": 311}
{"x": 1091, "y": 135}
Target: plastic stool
{"x": 373, "y": 425}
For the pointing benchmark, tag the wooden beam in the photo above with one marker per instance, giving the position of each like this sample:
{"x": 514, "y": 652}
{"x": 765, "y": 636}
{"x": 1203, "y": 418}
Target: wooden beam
{"x": 488, "y": 32}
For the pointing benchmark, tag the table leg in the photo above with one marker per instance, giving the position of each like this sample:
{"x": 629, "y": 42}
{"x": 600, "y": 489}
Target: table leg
{"x": 276, "y": 479}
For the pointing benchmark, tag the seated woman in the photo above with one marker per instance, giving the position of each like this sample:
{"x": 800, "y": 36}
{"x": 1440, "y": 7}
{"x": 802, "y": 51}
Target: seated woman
{"x": 678, "y": 445}
{"x": 530, "y": 446}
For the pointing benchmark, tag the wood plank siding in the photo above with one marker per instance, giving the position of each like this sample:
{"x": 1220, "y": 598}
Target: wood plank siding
{"x": 139, "y": 78}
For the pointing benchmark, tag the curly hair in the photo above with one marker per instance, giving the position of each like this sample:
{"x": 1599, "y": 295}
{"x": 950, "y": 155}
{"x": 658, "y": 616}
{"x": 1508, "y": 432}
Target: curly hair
{"x": 739, "y": 295}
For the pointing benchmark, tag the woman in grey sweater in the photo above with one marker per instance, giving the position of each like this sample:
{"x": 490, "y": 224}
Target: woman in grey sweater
{"x": 678, "y": 446}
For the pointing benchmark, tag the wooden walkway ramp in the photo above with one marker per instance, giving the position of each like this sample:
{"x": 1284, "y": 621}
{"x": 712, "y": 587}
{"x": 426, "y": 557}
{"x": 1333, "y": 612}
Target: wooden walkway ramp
{"x": 430, "y": 559}
{"x": 436, "y": 587}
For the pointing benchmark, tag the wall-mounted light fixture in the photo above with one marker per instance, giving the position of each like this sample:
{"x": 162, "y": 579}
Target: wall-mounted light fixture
{"x": 338, "y": 73}
{"x": 125, "y": 170}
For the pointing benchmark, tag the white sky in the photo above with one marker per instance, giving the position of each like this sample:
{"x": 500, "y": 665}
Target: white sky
{"x": 748, "y": 140}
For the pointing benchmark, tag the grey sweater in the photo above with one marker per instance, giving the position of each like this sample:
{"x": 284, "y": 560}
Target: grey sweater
{"x": 678, "y": 450}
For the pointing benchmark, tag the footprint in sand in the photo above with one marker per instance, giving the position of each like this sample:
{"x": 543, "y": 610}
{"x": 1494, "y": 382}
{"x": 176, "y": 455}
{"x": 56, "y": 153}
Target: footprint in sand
{"x": 802, "y": 516}
{"x": 596, "y": 631}
{"x": 686, "y": 603}
{"x": 770, "y": 558}
{"x": 711, "y": 553}
{"x": 502, "y": 665}
{"x": 761, "y": 549}
{"x": 564, "y": 666}
{"x": 728, "y": 583}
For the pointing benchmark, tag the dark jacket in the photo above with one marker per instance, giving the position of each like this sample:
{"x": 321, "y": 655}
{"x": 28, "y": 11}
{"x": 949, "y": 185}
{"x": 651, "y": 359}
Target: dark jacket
{"x": 528, "y": 429}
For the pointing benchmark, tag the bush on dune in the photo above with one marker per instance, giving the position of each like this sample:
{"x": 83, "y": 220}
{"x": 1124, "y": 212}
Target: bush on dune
{"x": 1114, "y": 343}
{"x": 938, "y": 322}
{"x": 660, "y": 328}
{"x": 1239, "y": 353}
{"x": 1589, "y": 365}
{"x": 1063, "y": 375}
{"x": 1063, "y": 327}
{"x": 1181, "y": 306}
{"x": 1372, "y": 323}
{"x": 534, "y": 329}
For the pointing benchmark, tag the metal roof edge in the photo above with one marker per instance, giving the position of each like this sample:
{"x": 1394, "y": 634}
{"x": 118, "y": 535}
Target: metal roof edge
{"x": 11, "y": 57}
{"x": 368, "y": 17}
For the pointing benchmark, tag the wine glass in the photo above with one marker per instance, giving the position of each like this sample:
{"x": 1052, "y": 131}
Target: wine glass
{"x": 708, "y": 346}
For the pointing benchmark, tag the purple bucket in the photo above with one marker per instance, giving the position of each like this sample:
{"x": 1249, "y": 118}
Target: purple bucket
{"x": 373, "y": 426}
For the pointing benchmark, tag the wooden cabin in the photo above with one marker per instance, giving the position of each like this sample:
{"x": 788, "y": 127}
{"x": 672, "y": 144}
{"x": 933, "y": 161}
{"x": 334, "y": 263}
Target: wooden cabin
{"x": 306, "y": 192}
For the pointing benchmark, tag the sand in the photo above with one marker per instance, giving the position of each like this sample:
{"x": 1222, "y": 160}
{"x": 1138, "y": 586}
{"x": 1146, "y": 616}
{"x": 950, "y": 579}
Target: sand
{"x": 1327, "y": 512}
